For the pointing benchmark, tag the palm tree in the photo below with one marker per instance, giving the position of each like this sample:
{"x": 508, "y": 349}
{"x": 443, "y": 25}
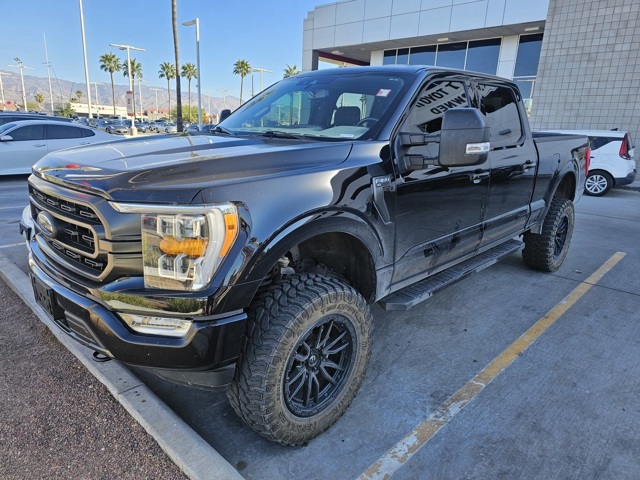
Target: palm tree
{"x": 110, "y": 63}
{"x": 174, "y": 21}
{"x": 136, "y": 71}
{"x": 290, "y": 71}
{"x": 242, "y": 68}
{"x": 39, "y": 98}
{"x": 168, "y": 71}
{"x": 79, "y": 94}
{"x": 189, "y": 71}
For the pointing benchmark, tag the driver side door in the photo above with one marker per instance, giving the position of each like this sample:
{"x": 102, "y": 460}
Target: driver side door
{"x": 439, "y": 210}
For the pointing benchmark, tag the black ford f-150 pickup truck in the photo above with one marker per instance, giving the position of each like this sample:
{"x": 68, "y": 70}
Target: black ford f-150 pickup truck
{"x": 257, "y": 250}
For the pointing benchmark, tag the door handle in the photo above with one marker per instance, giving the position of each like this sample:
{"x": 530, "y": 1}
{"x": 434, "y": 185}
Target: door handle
{"x": 478, "y": 177}
{"x": 40, "y": 145}
{"x": 527, "y": 165}
{"x": 85, "y": 143}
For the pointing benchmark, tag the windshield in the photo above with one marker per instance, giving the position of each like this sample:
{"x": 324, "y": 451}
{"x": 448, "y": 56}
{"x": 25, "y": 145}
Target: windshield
{"x": 341, "y": 106}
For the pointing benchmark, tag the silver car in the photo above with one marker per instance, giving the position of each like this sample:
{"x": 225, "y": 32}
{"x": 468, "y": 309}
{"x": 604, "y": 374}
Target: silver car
{"x": 117, "y": 128}
{"x": 170, "y": 127}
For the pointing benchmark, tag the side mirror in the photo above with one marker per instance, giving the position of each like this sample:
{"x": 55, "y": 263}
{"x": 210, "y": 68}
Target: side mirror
{"x": 6, "y": 138}
{"x": 224, "y": 114}
{"x": 464, "y": 138}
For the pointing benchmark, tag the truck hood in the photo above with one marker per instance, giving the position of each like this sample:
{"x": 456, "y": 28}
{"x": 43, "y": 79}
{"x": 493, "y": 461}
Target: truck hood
{"x": 173, "y": 169}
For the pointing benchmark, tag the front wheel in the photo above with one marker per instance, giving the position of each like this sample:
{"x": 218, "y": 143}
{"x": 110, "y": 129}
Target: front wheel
{"x": 598, "y": 183}
{"x": 547, "y": 250}
{"x": 307, "y": 348}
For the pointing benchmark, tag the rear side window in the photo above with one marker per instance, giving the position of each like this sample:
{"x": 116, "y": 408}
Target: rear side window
{"x": 500, "y": 107}
{"x": 599, "y": 142}
{"x": 86, "y": 132}
{"x": 57, "y": 132}
{"x": 29, "y": 132}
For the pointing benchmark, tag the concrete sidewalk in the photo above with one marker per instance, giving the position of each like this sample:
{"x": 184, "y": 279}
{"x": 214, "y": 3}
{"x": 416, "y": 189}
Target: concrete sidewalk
{"x": 58, "y": 421}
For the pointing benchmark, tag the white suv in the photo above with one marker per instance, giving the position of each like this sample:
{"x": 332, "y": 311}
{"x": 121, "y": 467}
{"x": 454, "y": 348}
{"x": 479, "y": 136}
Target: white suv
{"x": 612, "y": 160}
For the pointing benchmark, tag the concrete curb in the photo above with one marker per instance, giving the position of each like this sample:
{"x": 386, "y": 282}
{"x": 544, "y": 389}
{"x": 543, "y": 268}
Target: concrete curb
{"x": 195, "y": 457}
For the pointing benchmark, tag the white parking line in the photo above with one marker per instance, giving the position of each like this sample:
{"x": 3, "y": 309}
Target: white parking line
{"x": 12, "y": 245}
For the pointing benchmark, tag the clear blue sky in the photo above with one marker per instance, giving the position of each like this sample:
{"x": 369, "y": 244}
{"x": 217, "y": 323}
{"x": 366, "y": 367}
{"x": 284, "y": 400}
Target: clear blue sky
{"x": 267, "y": 33}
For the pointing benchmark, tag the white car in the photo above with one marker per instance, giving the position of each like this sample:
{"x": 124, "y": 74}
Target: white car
{"x": 25, "y": 142}
{"x": 612, "y": 160}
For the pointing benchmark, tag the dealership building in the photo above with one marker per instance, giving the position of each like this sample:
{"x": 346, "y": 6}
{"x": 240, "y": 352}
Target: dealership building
{"x": 577, "y": 62}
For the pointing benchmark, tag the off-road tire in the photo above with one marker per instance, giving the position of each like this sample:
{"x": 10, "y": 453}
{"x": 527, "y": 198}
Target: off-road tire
{"x": 547, "y": 250}
{"x": 280, "y": 318}
{"x": 598, "y": 183}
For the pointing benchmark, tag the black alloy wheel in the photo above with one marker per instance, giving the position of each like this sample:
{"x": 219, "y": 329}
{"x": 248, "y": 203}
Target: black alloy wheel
{"x": 318, "y": 366}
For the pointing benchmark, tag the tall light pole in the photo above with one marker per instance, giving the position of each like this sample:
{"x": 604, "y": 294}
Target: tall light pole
{"x": 86, "y": 65}
{"x": 22, "y": 66}
{"x": 140, "y": 80}
{"x": 2, "y": 87}
{"x": 46, "y": 57}
{"x": 262, "y": 71}
{"x": 95, "y": 85}
{"x": 128, "y": 48}
{"x": 196, "y": 22}
{"x": 224, "y": 96}
{"x": 156, "y": 90}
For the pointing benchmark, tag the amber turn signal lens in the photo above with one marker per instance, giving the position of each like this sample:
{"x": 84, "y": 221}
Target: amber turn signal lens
{"x": 231, "y": 227}
{"x": 192, "y": 247}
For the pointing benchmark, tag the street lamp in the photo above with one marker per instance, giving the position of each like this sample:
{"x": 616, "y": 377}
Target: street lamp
{"x": 262, "y": 71}
{"x": 95, "y": 85}
{"x": 140, "y": 80}
{"x": 2, "y": 87}
{"x": 86, "y": 65}
{"x": 22, "y": 66}
{"x": 128, "y": 48}
{"x": 224, "y": 96}
{"x": 196, "y": 22}
{"x": 156, "y": 90}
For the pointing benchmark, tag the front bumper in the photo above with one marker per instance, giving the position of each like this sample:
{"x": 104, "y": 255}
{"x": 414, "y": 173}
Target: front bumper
{"x": 211, "y": 343}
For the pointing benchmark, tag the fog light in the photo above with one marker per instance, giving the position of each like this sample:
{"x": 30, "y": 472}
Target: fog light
{"x": 168, "y": 327}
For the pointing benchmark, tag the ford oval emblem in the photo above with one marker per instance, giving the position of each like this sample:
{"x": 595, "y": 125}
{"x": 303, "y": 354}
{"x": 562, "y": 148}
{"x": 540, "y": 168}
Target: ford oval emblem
{"x": 46, "y": 224}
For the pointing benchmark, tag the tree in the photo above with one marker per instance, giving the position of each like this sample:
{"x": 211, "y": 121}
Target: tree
{"x": 67, "y": 111}
{"x": 136, "y": 71}
{"x": 39, "y": 98}
{"x": 168, "y": 71}
{"x": 290, "y": 71}
{"x": 174, "y": 21}
{"x": 242, "y": 68}
{"x": 189, "y": 71}
{"x": 79, "y": 94}
{"x": 110, "y": 63}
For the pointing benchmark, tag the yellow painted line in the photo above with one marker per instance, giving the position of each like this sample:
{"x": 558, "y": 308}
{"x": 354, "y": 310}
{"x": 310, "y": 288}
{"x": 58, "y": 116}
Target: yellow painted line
{"x": 402, "y": 451}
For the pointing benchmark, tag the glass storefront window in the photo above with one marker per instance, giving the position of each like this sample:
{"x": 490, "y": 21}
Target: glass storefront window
{"x": 482, "y": 56}
{"x": 452, "y": 55}
{"x": 389, "y": 57}
{"x": 403, "y": 56}
{"x": 528, "y": 55}
{"x": 423, "y": 55}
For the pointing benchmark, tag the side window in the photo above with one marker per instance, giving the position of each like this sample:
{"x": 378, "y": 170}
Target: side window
{"x": 57, "y": 132}
{"x": 426, "y": 114}
{"x": 500, "y": 107}
{"x": 86, "y": 132}
{"x": 29, "y": 132}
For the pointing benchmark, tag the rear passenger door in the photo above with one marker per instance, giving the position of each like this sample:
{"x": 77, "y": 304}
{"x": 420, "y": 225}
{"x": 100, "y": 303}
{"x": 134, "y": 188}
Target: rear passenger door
{"x": 513, "y": 160}
{"x": 26, "y": 148}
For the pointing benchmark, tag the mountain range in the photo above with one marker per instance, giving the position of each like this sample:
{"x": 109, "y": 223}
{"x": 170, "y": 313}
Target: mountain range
{"x": 64, "y": 90}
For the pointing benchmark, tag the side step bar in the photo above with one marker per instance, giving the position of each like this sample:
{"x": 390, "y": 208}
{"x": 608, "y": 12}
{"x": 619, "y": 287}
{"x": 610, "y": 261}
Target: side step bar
{"x": 418, "y": 292}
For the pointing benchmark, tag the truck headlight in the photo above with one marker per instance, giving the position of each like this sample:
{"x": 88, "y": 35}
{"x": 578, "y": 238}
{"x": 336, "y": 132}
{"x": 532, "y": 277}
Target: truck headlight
{"x": 182, "y": 247}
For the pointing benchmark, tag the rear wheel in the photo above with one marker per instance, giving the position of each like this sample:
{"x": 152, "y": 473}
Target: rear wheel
{"x": 547, "y": 250}
{"x": 598, "y": 183}
{"x": 307, "y": 348}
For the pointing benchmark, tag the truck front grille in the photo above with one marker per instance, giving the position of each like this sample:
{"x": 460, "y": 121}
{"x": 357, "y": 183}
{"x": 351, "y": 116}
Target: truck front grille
{"x": 80, "y": 242}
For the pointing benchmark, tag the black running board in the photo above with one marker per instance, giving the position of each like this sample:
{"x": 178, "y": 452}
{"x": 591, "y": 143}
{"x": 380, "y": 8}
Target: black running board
{"x": 418, "y": 292}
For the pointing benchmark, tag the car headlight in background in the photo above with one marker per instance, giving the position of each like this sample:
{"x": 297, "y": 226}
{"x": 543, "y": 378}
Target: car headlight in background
{"x": 183, "y": 246}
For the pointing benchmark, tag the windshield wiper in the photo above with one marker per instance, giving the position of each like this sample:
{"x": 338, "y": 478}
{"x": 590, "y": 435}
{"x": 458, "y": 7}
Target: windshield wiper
{"x": 220, "y": 129}
{"x": 279, "y": 134}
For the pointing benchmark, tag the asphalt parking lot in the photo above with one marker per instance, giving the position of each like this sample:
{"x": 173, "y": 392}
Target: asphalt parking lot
{"x": 435, "y": 404}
